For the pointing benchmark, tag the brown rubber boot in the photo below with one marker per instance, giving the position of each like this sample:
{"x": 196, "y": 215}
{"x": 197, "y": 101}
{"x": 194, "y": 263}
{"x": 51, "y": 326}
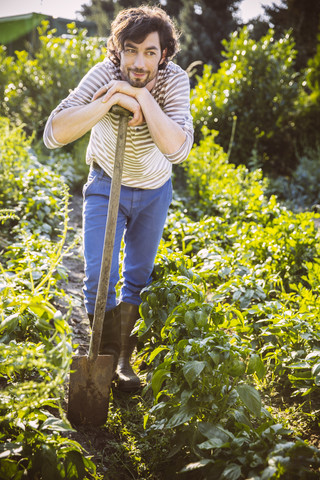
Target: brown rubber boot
{"x": 110, "y": 343}
{"x": 128, "y": 381}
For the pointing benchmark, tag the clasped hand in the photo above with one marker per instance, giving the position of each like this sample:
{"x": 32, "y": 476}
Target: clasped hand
{"x": 122, "y": 93}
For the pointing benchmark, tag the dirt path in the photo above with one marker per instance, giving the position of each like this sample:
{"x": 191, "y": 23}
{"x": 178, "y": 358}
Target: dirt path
{"x": 73, "y": 264}
{"x": 94, "y": 440}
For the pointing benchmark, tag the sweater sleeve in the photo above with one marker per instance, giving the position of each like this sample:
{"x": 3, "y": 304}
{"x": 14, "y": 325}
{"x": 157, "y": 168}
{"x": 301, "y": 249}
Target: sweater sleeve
{"x": 177, "y": 107}
{"x": 96, "y": 77}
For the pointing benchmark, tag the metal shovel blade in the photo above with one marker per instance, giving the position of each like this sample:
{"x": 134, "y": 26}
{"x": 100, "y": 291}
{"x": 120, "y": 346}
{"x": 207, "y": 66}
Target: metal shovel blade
{"x": 89, "y": 389}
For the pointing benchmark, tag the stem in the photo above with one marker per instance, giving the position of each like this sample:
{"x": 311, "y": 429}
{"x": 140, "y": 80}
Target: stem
{"x": 234, "y": 123}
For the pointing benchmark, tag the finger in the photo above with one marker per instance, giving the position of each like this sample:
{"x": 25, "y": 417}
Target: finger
{"x": 132, "y": 122}
{"x": 100, "y": 92}
{"x": 136, "y": 120}
{"x": 110, "y": 92}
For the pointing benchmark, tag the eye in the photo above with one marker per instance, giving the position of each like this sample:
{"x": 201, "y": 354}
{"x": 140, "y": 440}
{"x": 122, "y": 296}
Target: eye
{"x": 129, "y": 51}
{"x": 151, "y": 53}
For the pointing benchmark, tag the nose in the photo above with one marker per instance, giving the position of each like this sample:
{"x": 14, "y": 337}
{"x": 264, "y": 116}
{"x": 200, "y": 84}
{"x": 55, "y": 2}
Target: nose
{"x": 139, "y": 60}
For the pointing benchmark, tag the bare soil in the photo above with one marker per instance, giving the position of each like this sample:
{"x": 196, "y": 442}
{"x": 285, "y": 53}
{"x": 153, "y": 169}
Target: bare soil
{"x": 74, "y": 266}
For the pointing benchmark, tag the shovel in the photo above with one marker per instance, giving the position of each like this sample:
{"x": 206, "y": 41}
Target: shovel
{"x": 91, "y": 376}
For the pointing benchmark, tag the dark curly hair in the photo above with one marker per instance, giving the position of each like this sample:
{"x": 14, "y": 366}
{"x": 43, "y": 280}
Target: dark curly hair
{"x": 135, "y": 24}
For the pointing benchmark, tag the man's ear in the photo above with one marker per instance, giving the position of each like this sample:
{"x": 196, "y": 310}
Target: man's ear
{"x": 163, "y": 56}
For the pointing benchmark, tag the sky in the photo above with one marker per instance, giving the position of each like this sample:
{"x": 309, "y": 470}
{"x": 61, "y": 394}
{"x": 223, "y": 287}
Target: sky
{"x": 67, "y": 8}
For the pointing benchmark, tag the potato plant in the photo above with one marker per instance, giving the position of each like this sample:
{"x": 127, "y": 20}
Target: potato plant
{"x": 233, "y": 306}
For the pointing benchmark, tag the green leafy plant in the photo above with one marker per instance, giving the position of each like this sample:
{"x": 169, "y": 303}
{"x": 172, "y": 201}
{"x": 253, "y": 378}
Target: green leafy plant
{"x": 36, "y": 81}
{"x": 200, "y": 370}
{"x": 33, "y": 83}
{"x": 35, "y": 339}
{"x": 258, "y": 84}
{"x": 232, "y": 310}
{"x": 28, "y": 188}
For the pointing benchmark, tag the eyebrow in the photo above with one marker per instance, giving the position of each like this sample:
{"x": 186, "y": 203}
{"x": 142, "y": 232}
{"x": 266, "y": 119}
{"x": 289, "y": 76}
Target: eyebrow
{"x": 134, "y": 45}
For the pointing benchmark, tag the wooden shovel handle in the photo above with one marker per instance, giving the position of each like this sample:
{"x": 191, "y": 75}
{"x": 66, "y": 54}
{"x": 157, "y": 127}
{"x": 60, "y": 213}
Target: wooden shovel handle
{"x": 117, "y": 110}
{"x": 110, "y": 232}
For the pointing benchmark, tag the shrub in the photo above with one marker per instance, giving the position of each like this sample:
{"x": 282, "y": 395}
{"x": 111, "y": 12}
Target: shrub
{"x": 300, "y": 191}
{"x": 218, "y": 187}
{"x": 35, "y": 339}
{"x": 309, "y": 106}
{"x": 36, "y": 82}
{"x": 32, "y": 190}
{"x": 33, "y": 83}
{"x": 258, "y": 85}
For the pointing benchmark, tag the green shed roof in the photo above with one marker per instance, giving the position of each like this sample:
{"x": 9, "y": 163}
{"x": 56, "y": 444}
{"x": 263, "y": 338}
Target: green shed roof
{"x": 14, "y": 27}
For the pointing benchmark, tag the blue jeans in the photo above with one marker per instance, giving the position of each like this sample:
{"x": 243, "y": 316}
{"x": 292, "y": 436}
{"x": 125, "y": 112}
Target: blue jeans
{"x": 141, "y": 218}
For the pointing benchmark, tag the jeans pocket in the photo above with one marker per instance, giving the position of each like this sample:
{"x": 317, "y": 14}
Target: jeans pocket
{"x": 93, "y": 174}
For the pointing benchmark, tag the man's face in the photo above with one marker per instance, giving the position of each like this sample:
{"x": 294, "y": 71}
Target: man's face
{"x": 139, "y": 62}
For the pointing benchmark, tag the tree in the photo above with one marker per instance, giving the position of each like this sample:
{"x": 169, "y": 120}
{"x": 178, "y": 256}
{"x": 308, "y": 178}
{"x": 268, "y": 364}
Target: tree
{"x": 204, "y": 25}
{"x": 99, "y": 15}
{"x": 303, "y": 18}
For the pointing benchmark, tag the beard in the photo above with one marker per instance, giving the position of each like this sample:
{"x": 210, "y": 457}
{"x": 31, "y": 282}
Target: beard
{"x": 135, "y": 81}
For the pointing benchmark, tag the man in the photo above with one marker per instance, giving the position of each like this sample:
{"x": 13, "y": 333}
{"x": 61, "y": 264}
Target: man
{"x": 139, "y": 76}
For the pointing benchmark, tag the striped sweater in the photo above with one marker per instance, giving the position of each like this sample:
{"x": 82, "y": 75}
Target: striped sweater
{"x": 144, "y": 165}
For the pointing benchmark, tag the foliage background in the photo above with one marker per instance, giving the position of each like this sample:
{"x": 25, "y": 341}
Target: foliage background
{"x": 255, "y": 88}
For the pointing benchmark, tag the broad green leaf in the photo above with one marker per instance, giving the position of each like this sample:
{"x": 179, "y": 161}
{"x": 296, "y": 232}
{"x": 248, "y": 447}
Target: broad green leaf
{"x": 214, "y": 431}
{"x": 10, "y": 322}
{"x": 232, "y": 472}
{"x": 10, "y": 469}
{"x": 156, "y": 352}
{"x": 268, "y": 473}
{"x": 250, "y": 397}
{"x": 242, "y": 418}
{"x": 239, "y": 316}
{"x": 314, "y": 353}
{"x": 183, "y": 415}
{"x": 157, "y": 380}
{"x": 9, "y": 449}
{"x": 56, "y": 425}
{"x": 192, "y": 370}
{"x": 49, "y": 462}
{"x": 237, "y": 294}
{"x": 260, "y": 369}
{"x": 196, "y": 465}
{"x": 315, "y": 369}
{"x": 212, "y": 443}
{"x": 300, "y": 365}
{"x": 75, "y": 469}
